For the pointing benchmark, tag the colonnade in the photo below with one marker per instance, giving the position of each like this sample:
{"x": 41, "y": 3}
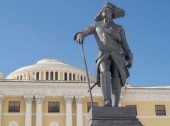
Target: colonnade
{"x": 39, "y": 102}
{"x": 51, "y": 75}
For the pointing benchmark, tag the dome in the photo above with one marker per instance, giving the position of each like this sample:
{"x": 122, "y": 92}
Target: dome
{"x": 50, "y": 70}
{"x": 49, "y": 61}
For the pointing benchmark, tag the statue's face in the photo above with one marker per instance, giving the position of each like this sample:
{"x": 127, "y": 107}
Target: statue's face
{"x": 107, "y": 13}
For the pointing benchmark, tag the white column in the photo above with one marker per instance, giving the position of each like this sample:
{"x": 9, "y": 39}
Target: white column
{"x": 54, "y": 75}
{"x": 79, "y": 109}
{"x": 49, "y": 75}
{"x": 28, "y": 110}
{"x": 44, "y": 75}
{"x": 1, "y": 99}
{"x": 26, "y": 77}
{"x": 40, "y": 74}
{"x": 68, "y": 100}
{"x": 39, "y": 101}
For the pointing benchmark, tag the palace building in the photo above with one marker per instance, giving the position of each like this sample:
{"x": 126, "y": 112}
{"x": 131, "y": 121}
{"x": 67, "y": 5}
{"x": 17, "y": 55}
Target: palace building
{"x": 53, "y": 93}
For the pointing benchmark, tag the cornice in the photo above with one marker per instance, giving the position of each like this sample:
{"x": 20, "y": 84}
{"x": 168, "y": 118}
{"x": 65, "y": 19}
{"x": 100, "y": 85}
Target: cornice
{"x": 22, "y": 88}
{"x": 60, "y": 89}
{"x": 151, "y": 95}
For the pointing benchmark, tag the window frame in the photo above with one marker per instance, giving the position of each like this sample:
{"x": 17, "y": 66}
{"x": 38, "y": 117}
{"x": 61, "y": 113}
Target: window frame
{"x": 52, "y": 108}
{"x": 160, "y": 110}
{"x": 13, "y": 106}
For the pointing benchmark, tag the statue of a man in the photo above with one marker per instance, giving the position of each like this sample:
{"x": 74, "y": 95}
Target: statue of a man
{"x": 114, "y": 56}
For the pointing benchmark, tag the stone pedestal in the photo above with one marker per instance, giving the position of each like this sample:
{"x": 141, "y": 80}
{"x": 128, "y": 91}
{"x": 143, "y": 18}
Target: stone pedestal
{"x": 113, "y": 116}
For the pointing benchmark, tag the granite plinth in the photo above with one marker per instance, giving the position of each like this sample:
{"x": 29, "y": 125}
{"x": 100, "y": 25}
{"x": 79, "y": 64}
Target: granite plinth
{"x": 113, "y": 116}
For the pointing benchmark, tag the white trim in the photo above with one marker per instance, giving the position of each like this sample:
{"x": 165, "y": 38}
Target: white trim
{"x": 13, "y": 114}
{"x": 54, "y": 114}
{"x": 153, "y": 117}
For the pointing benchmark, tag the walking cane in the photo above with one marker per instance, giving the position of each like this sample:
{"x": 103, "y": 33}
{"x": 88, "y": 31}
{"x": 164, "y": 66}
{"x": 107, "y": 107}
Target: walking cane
{"x": 88, "y": 80}
{"x": 85, "y": 64}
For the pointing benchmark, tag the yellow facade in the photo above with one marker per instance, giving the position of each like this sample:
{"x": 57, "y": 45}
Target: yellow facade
{"x": 145, "y": 112}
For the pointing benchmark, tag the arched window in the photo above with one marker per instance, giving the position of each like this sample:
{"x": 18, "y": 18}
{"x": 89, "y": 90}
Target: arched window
{"x": 53, "y": 123}
{"x": 13, "y": 123}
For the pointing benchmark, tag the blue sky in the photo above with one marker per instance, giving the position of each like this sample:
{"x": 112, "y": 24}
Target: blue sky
{"x": 33, "y": 30}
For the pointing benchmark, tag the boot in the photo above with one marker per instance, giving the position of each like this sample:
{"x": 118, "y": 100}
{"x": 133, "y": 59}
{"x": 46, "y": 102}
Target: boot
{"x": 106, "y": 87}
{"x": 116, "y": 90}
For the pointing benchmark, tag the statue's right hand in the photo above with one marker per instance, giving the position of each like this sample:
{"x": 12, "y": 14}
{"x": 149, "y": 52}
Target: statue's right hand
{"x": 79, "y": 37}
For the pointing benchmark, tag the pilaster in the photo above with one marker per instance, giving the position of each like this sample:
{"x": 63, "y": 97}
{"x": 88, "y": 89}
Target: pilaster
{"x": 1, "y": 99}
{"x": 39, "y": 100}
{"x": 28, "y": 110}
{"x": 79, "y": 108}
{"x": 68, "y": 100}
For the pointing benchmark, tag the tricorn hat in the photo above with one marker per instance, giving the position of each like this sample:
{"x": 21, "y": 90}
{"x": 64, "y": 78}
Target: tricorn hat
{"x": 117, "y": 12}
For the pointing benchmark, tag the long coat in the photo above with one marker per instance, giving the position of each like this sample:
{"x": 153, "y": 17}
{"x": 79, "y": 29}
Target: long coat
{"x": 112, "y": 43}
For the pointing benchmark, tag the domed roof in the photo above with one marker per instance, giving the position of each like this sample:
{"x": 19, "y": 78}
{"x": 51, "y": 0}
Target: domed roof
{"x": 49, "y": 61}
{"x": 46, "y": 65}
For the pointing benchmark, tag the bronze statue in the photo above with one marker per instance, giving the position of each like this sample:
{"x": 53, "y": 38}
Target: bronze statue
{"x": 115, "y": 57}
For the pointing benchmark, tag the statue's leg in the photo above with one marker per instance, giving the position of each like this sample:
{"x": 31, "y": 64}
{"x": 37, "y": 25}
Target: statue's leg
{"x": 116, "y": 91}
{"x": 106, "y": 85}
{"x": 116, "y": 85}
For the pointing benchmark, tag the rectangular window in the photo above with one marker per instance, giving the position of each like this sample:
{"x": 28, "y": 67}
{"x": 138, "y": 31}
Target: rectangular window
{"x": 51, "y": 75}
{"x": 37, "y": 76}
{"x": 89, "y": 105}
{"x": 53, "y": 107}
{"x": 81, "y": 78}
{"x": 14, "y": 106}
{"x": 74, "y": 77}
{"x": 70, "y": 77}
{"x": 56, "y": 75}
{"x": 160, "y": 110}
{"x": 65, "y": 76}
{"x": 132, "y": 106}
{"x": 46, "y": 74}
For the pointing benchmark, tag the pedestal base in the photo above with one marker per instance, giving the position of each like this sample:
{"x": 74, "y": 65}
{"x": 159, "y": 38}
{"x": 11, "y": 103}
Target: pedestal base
{"x": 113, "y": 116}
